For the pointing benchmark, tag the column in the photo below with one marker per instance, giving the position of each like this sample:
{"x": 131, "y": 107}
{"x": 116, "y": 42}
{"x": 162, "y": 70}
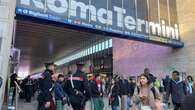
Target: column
{"x": 7, "y": 13}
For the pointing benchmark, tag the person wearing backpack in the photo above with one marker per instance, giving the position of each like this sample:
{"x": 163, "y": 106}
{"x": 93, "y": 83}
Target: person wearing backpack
{"x": 114, "y": 95}
{"x": 146, "y": 96}
{"x": 177, "y": 89}
{"x": 60, "y": 95}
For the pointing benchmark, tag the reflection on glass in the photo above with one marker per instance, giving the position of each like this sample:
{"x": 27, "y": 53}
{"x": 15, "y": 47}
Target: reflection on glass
{"x": 110, "y": 43}
{"x": 103, "y": 47}
{"x": 106, "y": 44}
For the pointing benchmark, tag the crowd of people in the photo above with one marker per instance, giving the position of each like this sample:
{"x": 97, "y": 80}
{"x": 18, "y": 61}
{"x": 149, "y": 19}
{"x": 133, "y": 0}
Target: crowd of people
{"x": 146, "y": 92}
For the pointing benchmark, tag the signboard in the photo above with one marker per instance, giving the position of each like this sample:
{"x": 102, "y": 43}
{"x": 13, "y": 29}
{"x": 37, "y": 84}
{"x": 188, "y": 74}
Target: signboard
{"x": 132, "y": 19}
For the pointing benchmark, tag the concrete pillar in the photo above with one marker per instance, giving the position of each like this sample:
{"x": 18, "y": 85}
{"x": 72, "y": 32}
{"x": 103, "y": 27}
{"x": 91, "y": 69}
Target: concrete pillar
{"x": 186, "y": 18}
{"x": 7, "y": 13}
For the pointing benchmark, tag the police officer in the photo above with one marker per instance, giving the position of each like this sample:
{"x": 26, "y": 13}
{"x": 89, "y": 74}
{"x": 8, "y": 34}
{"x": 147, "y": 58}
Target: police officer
{"x": 45, "y": 86}
{"x": 77, "y": 87}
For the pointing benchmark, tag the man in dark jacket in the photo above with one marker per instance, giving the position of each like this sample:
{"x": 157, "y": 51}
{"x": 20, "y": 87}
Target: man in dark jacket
{"x": 166, "y": 82}
{"x": 124, "y": 91}
{"x": 28, "y": 89}
{"x": 131, "y": 87}
{"x": 46, "y": 86}
{"x": 77, "y": 86}
{"x": 177, "y": 89}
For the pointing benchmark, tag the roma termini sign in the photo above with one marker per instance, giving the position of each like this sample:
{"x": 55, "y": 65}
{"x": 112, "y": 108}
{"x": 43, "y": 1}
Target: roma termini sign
{"x": 115, "y": 17}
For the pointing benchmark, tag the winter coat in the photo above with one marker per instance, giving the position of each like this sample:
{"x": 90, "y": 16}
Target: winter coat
{"x": 178, "y": 91}
{"x": 59, "y": 92}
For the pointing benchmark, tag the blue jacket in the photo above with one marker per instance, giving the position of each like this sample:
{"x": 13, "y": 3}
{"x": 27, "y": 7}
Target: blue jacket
{"x": 59, "y": 92}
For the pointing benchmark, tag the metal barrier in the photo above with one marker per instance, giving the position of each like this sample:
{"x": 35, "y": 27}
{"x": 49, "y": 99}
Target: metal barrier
{"x": 13, "y": 103}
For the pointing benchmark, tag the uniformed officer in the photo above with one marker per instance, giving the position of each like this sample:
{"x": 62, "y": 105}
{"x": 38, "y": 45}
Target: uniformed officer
{"x": 77, "y": 87}
{"x": 45, "y": 86}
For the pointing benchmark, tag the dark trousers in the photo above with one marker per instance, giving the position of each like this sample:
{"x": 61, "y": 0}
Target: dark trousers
{"x": 77, "y": 106}
{"x": 177, "y": 106}
{"x": 28, "y": 93}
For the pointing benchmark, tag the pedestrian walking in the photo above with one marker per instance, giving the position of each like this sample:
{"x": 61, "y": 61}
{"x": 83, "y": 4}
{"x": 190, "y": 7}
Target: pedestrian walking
{"x": 77, "y": 87}
{"x": 146, "y": 96}
{"x": 46, "y": 86}
{"x": 28, "y": 89}
{"x": 60, "y": 95}
{"x": 189, "y": 84}
{"x": 97, "y": 93}
{"x": 131, "y": 88}
{"x": 114, "y": 95}
{"x": 177, "y": 89}
{"x": 124, "y": 91}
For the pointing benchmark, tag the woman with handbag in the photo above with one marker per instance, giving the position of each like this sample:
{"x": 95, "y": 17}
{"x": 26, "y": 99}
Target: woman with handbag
{"x": 146, "y": 96}
{"x": 114, "y": 96}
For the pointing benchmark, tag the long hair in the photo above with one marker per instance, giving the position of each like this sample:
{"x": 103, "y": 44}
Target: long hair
{"x": 147, "y": 77}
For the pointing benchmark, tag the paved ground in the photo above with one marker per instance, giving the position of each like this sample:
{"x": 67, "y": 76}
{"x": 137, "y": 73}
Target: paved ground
{"x": 33, "y": 105}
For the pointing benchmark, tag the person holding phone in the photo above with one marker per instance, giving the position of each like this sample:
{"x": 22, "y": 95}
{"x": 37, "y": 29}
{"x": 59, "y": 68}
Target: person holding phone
{"x": 146, "y": 96}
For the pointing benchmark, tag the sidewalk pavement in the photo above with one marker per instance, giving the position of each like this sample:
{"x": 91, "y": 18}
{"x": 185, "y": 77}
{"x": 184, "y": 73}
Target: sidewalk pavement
{"x": 33, "y": 105}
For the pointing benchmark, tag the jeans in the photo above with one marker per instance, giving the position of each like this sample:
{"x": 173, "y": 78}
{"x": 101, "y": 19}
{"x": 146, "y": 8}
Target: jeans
{"x": 124, "y": 102}
{"x": 115, "y": 108}
{"x": 129, "y": 105}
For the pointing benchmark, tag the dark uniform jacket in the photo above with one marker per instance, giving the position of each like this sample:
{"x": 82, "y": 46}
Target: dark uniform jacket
{"x": 81, "y": 85}
{"x": 45, "y": 86}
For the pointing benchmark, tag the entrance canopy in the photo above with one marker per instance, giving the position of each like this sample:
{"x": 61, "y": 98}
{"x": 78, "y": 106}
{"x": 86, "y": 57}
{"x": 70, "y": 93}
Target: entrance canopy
{"x": 40, "y": 43}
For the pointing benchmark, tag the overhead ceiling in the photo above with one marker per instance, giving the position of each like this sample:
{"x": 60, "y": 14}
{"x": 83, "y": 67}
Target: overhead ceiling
{"x": 41, "y": 43}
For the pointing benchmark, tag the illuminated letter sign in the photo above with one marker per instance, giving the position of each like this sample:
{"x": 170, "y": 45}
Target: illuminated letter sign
{"x": 112, "y": 20}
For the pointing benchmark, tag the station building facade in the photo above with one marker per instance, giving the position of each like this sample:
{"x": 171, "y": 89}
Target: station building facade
{"x": 158, "y": 34}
